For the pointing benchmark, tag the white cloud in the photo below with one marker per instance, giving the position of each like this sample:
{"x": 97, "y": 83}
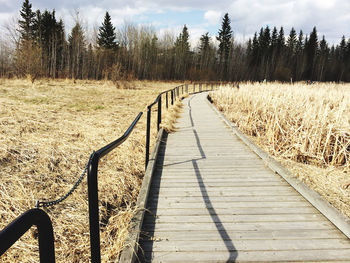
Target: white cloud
{"x": 331, "y": 17}
{"x": 213, "y": 17}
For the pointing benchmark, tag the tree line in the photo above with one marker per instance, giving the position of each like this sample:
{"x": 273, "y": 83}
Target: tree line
{"x": 43, "y": 49}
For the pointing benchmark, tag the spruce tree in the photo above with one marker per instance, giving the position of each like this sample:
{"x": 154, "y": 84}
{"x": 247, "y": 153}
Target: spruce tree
{"x": 274, "y": 37}
{"x": 225, "y": 39}
{"x": 26, "y": 22}
{"x": 281, "y": 40}
{"x": 206, "y": 53}
{"x": 292, "y": 41}
{"x": 182, "y": 54}
{"x": 299, "y": 46}
{"x": 106, "y": 36}
{"x": 76, "y": 45}
{"x": 204, "y": 43}
{"x": 311, "y": 49}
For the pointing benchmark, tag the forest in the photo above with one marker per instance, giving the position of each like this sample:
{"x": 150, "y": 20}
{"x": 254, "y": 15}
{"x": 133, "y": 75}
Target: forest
{"x": 40, "y": 47}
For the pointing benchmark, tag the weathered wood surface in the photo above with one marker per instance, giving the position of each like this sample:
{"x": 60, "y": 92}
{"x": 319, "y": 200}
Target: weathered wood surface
{"x": 212, "y": 199}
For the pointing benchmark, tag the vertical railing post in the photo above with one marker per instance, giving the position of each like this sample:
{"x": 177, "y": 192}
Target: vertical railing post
{"x": 18, "y": 227}
{"x": 182, "y": 89}
{"x": 93, "y": 208}
{"x": 186, "y": 88}
{"x": 178, "y": 91}
{"x": 148, "y": 134}
{"x": 159, "y": 120}
{"x": 194, "y": 87}
{"x": 166, "y": 100}
{"x": 172, "y": 97}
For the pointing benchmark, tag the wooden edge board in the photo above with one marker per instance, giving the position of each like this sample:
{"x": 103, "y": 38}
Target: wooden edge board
{"x": 322, "y": 205}
{"x": 129, "y": 253}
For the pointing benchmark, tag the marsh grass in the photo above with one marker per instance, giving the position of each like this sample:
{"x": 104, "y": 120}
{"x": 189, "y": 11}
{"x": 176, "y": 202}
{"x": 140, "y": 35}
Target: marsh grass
{"x": 48, "y": 131}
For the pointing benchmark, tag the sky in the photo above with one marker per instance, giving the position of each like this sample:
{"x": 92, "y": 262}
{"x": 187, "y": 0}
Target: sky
{"x": 331, "y": 17}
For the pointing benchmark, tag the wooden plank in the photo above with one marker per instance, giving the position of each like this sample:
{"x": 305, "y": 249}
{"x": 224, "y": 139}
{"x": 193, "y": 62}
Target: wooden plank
{"x": 217, "y": 179}
{"x": 247, "y": 226}
{"x": 221, "y": 204}
{"x": 234, "y": 218}
{"x": 235, "y": 211}
{"x": 219, "y": 193}
{"x": 318, "y": 255}
{"x": 218, "y": 184}
{"x": 216, "y": 235}
{"x": 199, "y": 199}
{"x": 189, "y": 174}
{"x": 241, "y": 189}
{"x": 246, "y": 245}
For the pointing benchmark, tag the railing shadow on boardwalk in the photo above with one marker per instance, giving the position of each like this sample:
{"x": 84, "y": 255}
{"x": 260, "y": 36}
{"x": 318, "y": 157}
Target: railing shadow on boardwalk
{"x": 149, "y": 236}
{"x": 206, "y": 198}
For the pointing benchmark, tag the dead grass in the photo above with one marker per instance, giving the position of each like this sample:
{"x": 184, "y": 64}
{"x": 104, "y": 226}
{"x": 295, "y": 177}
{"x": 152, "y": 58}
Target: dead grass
{"x": 48, "y": 130}
{"x": 305, "y": 127}
{"x": 170, "y": 117}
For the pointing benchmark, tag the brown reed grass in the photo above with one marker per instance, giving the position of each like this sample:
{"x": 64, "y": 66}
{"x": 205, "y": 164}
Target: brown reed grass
{"x": 48, "y": 130}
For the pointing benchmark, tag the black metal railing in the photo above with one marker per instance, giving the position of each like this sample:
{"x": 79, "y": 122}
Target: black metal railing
{"x": 93, "y": 191}
{"x": 17, "y": 228}
{"x": 174, "y": 94}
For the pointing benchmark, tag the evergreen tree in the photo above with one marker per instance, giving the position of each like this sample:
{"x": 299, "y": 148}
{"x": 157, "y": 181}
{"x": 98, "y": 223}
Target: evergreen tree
{"x": 311, "y": 48}
{"x": 225, "y": 39}
{"x": 182, "y": 54}
{"x": 274, "y": 38}
{"x": 204, "y": 43}
{"x": 300, "y": 60}
{"x": 280, "y": 41}
{"x": 299, "y": 46}
{"x": 77, "y": 48}
{"x": 323, "y": 59}
{"x": 342, "y": 49}
{"x": 106, "y": 36}
{"x": 26, "y": 22}
{"x": 292, "y": 42}
{"x": 206, "y": 56}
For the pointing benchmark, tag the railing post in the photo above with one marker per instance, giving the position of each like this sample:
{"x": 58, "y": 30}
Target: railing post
{"x": 18, "y": 227}
{"x": 172, "y": 97}
{"x": 148, "y": 134}
{"x": 159, "y": 120}
{"x": 194, "y": 87}
{"x": 178, "y": 91}
{"x": 182, "y": 89}
{"x": 166, "y": 98}
{"x": 93, "y": 208}
{"x": 186, "y": 88}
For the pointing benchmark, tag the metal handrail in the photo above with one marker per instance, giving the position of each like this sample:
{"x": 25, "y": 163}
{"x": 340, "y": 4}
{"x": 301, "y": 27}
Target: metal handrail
{"x": 93, "y": 190}
{"x": 17, "y": 228}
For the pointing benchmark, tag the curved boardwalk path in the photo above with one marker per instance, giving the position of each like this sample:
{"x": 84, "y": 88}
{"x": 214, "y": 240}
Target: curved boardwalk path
{"x": 213, "y": 200}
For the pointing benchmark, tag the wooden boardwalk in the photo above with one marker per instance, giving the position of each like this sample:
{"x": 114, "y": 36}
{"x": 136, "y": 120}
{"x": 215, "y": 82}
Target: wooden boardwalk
{"x": 212, "y": 199}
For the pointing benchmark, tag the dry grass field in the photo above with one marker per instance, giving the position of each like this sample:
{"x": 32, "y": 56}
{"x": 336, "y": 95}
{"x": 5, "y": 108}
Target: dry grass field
{"x": 48, "y": 131}
{"x": 306, "y": 127}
